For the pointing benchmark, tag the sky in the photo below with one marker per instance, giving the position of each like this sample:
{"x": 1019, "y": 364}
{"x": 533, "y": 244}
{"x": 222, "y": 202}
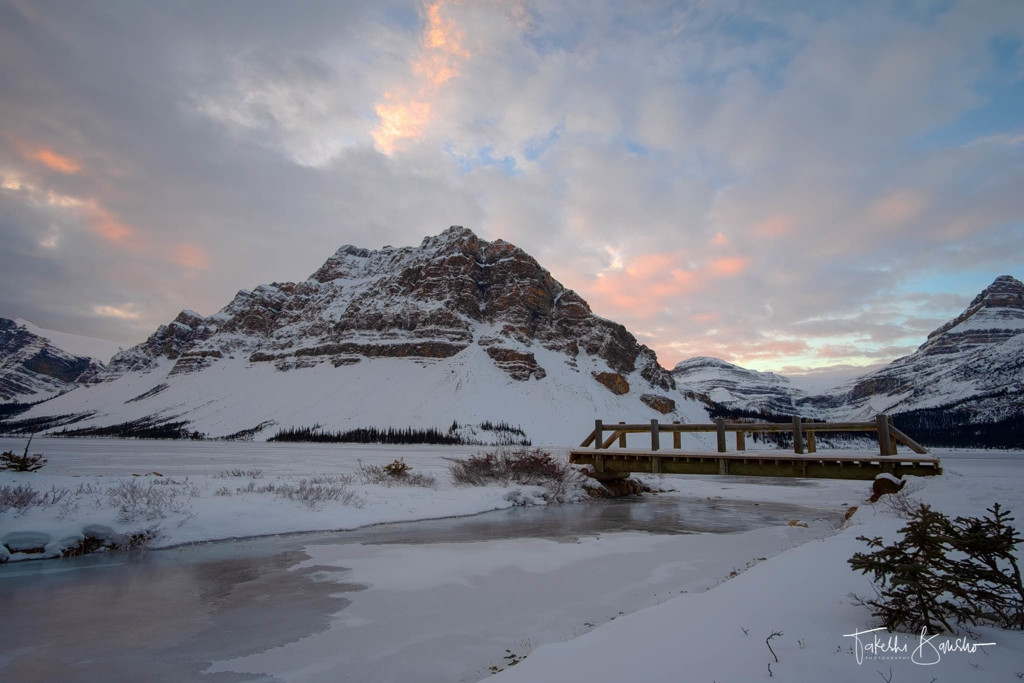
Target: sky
{"x": 784, "y": 185}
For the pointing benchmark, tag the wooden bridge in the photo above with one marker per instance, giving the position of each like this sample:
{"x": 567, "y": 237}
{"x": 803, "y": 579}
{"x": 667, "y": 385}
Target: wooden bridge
{"x": 612, "y": 459}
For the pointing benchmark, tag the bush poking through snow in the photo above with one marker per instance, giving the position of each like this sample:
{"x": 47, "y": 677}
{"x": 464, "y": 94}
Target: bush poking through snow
{"x": 394, "y": 474}
{"x": 398, "y": 468}
{"x": 313, "y": 492}
{"x": 23, "y": 496}
{"x": 154, "y": 499}
{"x": 945, "y": 573}
{"x": 23, "y": 462}
{"x": 526, "y": 467}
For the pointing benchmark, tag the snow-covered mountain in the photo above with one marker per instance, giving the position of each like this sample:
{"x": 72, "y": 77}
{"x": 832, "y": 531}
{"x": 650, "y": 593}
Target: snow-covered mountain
{"x": 457, "y": 329}
{"x": 737, "y": 388}
{"x": 963, "y": 386}
{"x": 37, "y": 364}
{"x": 973, "y": 365}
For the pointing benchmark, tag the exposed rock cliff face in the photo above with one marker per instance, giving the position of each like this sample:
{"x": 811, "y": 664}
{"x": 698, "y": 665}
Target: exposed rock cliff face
{"x": 426, "y": 302}
{"x": 33, "y": 369}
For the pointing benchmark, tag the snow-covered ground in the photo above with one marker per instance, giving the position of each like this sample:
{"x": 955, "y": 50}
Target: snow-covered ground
{"x": 714, "y": 632}
{"x": 804, "y": 595}
{"x": 185, "y": 491}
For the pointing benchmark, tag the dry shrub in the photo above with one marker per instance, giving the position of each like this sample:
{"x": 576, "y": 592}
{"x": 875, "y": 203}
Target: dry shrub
{"x": 24, "y": 496}
{"x": 526, "y": 467}
{"x": 313, "y": 492}
{"x": 151, "y": 500}
{"x": 396, "y": 473}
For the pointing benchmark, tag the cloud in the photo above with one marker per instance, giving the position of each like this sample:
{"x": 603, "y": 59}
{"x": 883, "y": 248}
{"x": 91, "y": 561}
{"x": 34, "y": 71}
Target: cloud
{"x": 51, "y": 159}
{"x": 124, "y": 311}
{"x": 408, "y": 113}
{"x": 191, "y": 256}
{"x": 731, "y": 179}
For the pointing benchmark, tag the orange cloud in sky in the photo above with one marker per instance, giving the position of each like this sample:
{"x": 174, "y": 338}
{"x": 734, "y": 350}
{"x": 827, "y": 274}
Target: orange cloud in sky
{"x": 407, "y": 116}
{"x": 647, "y": 283}
{"x": 443, "y": 50}
{"x": 56, "y": 161}
{"x": 705, "y": 318}
{"x": 191, "y": 256}
{"x": 776, "y": 226}
{"x": 650, "y": 265}
{"x": 47, "y": 157}
{"x": 642, "y": 286}
{"x": 899, "y": 207}
{"x": 106, "y": 225}
{"x": 730, "y": 266}
{"x": 400, "y": 120}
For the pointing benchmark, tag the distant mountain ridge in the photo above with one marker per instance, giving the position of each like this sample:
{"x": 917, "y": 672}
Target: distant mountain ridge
{"x": 34, "y": 368}
{"x": 975, "y": 362}
{"x": 963, "y": 386}
{"x": 464, "y": 330}
{"x": 737, "y": 388}
{"x": 456, "y": 329}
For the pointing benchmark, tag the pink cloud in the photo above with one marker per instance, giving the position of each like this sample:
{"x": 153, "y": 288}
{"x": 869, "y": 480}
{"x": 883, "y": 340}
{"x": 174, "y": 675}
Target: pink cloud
{"x": 730, "y": 266}
{"x": 898, "y": 207}
{"x": 776, "y": 226}
{"x": 48, "y": 157}
{"x": 190, "y": 256}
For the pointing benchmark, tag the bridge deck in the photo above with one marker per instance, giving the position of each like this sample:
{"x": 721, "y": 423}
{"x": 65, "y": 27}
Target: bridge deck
{"x": 619, "y": 462}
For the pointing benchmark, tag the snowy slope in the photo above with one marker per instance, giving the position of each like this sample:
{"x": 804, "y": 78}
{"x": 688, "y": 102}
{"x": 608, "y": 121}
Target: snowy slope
{"x": 77, "y": 345}
{"x": 739, "y": 388}
{"x": 34, "y": 367}
{"x": 973, "y": 363}
{"x": 457, "y": 329}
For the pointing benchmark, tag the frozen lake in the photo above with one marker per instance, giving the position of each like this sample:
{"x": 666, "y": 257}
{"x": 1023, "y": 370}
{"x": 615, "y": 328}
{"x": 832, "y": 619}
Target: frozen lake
{"x": 436, "y": 600}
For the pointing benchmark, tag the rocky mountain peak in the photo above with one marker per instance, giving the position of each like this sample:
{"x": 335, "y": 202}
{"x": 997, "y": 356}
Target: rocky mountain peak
{"x": 32, "y": 368}
{"x": 1005, "y": 291}
{"x": 427, "y": 302}
{"x": 996, "y": 314}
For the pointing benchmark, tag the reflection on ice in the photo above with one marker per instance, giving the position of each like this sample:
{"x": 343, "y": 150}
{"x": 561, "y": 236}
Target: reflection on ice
{"x": 438, "y": 600}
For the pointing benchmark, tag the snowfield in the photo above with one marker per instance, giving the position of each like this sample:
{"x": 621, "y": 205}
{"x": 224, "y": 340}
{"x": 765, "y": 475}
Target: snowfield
{"x": 716, "y": 631}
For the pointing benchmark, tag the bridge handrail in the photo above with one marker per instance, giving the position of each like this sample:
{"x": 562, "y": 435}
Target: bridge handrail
{"x": 888, "y": 434}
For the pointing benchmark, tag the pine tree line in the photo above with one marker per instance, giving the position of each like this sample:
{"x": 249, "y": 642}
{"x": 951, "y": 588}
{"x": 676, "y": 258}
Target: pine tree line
{"x": 391, "y": 435}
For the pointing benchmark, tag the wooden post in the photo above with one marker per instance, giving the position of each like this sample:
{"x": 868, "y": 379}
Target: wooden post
{"x": 622, "y": 439}
{"x": 723, "y": 466}
{"x": 655, "y": 465}
{"x": 893, "y": 447}
{"x": 655, "y": 436}
{"x": 741, "y": 440}
{"x": 720, "y": 426}
{"x": 884, "y": 438}
{"x": 798, "y": 435}
{"x": 598, "y": 435}
{"x": 677, "y": 438}
{"x": 812, "y": 443}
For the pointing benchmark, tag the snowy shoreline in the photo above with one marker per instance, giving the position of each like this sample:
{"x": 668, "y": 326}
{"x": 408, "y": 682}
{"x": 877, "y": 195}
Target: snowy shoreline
{"x": 716, "y": 634}
{"x": 803, "y": 594}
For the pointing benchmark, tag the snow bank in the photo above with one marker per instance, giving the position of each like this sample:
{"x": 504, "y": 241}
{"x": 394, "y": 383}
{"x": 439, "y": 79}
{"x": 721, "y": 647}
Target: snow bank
{"x": 804, "y": 595}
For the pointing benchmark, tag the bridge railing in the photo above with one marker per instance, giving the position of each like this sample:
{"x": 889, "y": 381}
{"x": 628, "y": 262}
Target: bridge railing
{"x": 804, "y": 439}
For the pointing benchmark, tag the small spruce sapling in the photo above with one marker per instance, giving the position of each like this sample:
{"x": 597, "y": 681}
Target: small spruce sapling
{"x": 946, "y": 572}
